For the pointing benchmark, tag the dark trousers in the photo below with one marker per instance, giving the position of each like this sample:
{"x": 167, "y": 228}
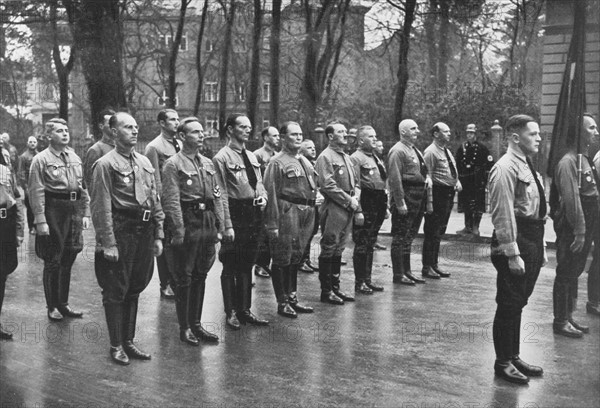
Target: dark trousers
{"x": 59, "y": 249}
{"x": 123, "y": 281}
{"x": 570, "y": 265}
{"x": 436, "y": 223}
{"x": 405, "y": 227}
{"x": 238, "y": 256}
{"x": 306, "y": 255}
{"x": 374, "y": 206}
{"x": 30, "y": 217}
{"x": 593, "y": 283}
{"x": 513, "y": 291}
{"x": 263, "y": 256}
{"x": 165, "y": 266}
{"x": 8, "y": 248}
{"x": 193, "y": 260}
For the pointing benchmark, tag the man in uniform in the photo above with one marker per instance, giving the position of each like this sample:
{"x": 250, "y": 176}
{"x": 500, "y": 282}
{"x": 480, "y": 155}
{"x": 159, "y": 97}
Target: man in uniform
{"x": 271, "y": 143}
{"x": 408, "y": 181}
{"x": 100, "y": 148}
{"x": 194, "y": 222}
{"x": 373, "y": 201}
{"x": 244, "y": 199}
{"x": 576, "y": 224}
{"x": 289, "y": 219}
{"x": 23, "y": 177}
{"x": 518, "y": 209}
{"x": 60, "y": 205}
{"x": 340, "y": 187}
{"x": 12, "y": 151}
{"x": 128, "y": 220}
{"x": 474, "y": 162}
{"x": 308, "y": 150}
{"x": 379, "y": 153}
{"x": 158, "y": 150}
{"x": 442, "y": 167}
{"x": 593, "y": 284}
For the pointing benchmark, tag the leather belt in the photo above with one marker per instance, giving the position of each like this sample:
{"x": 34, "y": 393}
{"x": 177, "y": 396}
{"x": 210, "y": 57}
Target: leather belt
{"x": 3, "y": 212}
{"x": 413, "y": 183}
{"x": 297, "y": 200}
{"x": 197, "y": 205}
{"x": 144, "y": 215}
{"x": 71, "y": 195}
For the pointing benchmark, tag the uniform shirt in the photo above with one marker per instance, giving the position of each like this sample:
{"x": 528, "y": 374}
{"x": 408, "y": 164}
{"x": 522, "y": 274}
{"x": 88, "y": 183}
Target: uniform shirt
{"x": 565, "y": 179}
{"x": 336, "y": 177}
{"x": 114, "y": 177}
{"x": 232, "y": 177}
{"x": 473, "y": 158}
{"x": 10, "y": 196}
{"x": 513, "y": 193}
{"x": 439, "y": 168}
{"x": 597, "y": 162}
{"x": 365, "y": 166}
{"x": 189, "y": 179}
{"x": 96, "y": 151}
{"x": 288, "y": 175}
{"x": 24, "y": 166}
{"x": 157, "y": 151}
{"x": 50, "y": 173}
{"x": 264, "y": 156}
{"x": 403, "y": 164}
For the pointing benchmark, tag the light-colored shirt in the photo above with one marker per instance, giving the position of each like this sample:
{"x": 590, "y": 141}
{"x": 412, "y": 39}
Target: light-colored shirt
{"x": 513, "y": 193}
{"x": 158, "y": 151}
{"x": 264, "y": 156}
{"x": 338, "y": 181}
{"x": 50, "y": 172}
{"x": 403, "y": 164}
{"x": 438, "y": 165}
{"x": 96, "y": 151}
{"x": 365, "y": 166}
{"x": 24, "y": 166}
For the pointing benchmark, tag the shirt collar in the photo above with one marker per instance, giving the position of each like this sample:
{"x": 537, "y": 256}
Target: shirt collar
{"x": 370, "y": 154}
{"x": 192, "y": 157}
{"x": 337, "y": 149}
{"x": 517, "y": 153}
{"x": 236, "y": 148}
{"x": 57, "y": 152}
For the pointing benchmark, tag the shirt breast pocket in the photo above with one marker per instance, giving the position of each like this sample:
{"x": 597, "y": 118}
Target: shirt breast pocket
{"x": 236, "y": 173}
{"x": 410, "y": 165}
{"x": 189, "y": 181}
{"x": 123, "y": 179}
{"x": 524, "y": 189}
{"x": 367, "y": 170}
{"x": 339, "y": 172}
{"x": 55, "y": 171}
{"x": 148, "y": 178}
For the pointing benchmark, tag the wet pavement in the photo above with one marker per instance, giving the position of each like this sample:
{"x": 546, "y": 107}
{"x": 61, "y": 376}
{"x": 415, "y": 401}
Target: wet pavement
{"x": 411, "y": 347}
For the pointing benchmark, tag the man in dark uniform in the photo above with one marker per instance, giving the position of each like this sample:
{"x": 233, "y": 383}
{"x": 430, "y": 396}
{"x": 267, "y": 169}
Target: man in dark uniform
{"x": 518, "y": 209}
{"x": 244, "y": 199}
{"x": 474, "y": 162}
{"x": 442, "y": 168}
{"x": 194, "y": 222}
{"x": 373, "y": 201}
{"x": 23, "y": 177}
{"x": 308, "y": 150}
{"x": 576, "y": 223}
{"x": 271, "y": 142}
{"x": 339, "y": 185}
{"x": 158, "y": 150}
{"x": 128, "y": 220}
{"x": 289, "y": 219}
{"x": 100, "y": 148}
{"x": 408, "y": 181}
{"x": 11, "y": 228}
{"x": 60, "y": 204}
{"x": 593, "y": 284}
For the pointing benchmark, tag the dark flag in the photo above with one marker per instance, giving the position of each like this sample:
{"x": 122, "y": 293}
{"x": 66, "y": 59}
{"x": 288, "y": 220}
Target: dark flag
{"x": 571, "y": 102}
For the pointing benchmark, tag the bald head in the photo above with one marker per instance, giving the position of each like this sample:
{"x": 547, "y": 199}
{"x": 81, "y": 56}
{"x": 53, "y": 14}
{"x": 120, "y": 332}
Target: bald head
{"x": 366, "y": 138}
{"x": 409, "y": 130}
{"x": 307, "y": 149}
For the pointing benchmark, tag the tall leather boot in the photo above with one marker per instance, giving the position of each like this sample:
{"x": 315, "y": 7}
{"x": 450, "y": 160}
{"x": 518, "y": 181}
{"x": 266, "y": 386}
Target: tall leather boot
{"x": 407, "y": 271}
{"x": 468, "y": 224}
{"x": 368, "y": 272}
{"x": 197, "y": 290}
{"x": 504, "y": 335}
{"x": 327, "y": 295}
{"x": 572, "y": 303}
{"x": 3, "y": 333}
{"x": 336, "y": 271}
{"x": 130, "y": 308}
{"x": 398, "y": 266}
{"x": 244, "y": 290}
{"x": 560, "y": 300}
{"x": 114, "y": 323}
{"x": 476, "y": 222}
{"x": 64, "y": 284}
{"x": 277, "y": 277}
{"x": 50, "y": 281}
{"x": 182, "y": 306}
{"x": 360, "y": 263}
{"x": 293, "y": 292}
{"x": 228, "y": 288}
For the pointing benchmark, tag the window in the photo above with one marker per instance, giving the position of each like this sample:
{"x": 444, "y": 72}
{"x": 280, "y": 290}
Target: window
{"x": 162, "y": 100}
{"x": 266, "y": 92}
{"x": 211, "y": 128}
{"x": 166, "y": 41}
{"x": 211, "y": 92}
{"x": 266, "y": 123}
{"x": 241, "y": 93}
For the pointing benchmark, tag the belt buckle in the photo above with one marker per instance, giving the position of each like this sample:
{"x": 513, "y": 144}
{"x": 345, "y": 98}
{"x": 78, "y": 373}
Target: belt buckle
{"x": 202, "y": 206}
{"x": 146, "y": 216}
{"x": 3, "y": 213}
{"x": 73, "y": 196}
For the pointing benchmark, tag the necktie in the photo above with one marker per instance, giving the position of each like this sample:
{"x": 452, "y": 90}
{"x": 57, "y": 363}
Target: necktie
{"x": 249, "y": 170}
{"x": 175, "y": 144}
{"x": 310, "y": 180}
{"x": 450, "y": 163}
{"x": 382, "y": 172}
{"x": 421, "y": 162}
{"x": 542, "y": 212}
{"x": 140, "y": 196}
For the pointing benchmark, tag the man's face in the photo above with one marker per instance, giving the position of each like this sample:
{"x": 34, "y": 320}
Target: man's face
{"x": 471, "y": 136}
{"x": 339, "y": 137}
{"x": 308, "y": 149}
{"x": 104, "y": 127}
{"x": 241, "y": 130}
{"x": 590, "y": 130}
{"x": 411, "y": 131}
{"x": 169, "y": 125}
{"x": 126, "y": 131}
{"x": 272, "y": 138}
{"x": 443, "y": 134}
{"x": 529, "y": 139}
{"x": 32, "y": 142}
{"x": 193, "y": 135}
{"x": 379, "y": 147}
{"x": 368, "y": 140}
{"x": 59, "y": 135}
{"x": 292, "y": 140}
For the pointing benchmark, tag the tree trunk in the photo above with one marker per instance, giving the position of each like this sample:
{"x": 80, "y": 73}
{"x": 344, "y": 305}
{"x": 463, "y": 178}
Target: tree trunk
{"x": 253, "y": 99}
{"x": 172, "y": 81}
{"x": 62, "y": 70}
{"x": 199, "y": 68}
{"x": 444, "y": 45}
{"x": 275, "y": 56}
{"x": 430, "y": 22}
{"x": 409, "y": 18}
{"x": 229, "y": 19}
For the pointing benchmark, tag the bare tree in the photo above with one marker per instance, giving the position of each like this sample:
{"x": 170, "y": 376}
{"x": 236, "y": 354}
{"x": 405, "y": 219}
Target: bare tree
{"x": 62, "y": 70}
{"x": 199, "y": 68}
{"x": 275, "y": 43}
{"x": 229, "y": 20}
{"x": 172, "y": 72}
{"x": 252, "y": 101}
